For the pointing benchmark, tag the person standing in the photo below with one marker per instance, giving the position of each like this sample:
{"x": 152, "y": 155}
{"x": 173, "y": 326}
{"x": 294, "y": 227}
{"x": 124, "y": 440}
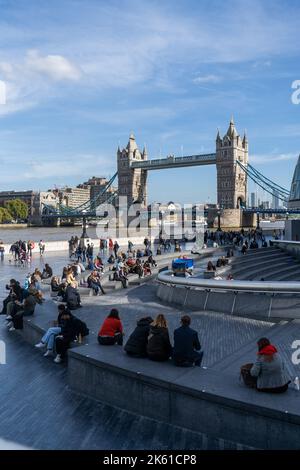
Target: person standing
{"x": 2, "y": 250}
{"x": 116, "y": 248}
{"x": 41, "y": 247}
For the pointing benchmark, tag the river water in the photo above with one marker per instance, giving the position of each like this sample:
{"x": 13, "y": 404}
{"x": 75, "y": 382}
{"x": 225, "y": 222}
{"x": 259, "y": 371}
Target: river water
{"x": 10, "y": 235}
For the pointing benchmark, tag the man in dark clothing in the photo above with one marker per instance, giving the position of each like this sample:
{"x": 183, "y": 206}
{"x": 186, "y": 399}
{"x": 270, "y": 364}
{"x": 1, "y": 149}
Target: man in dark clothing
{"x": 72, "y": 297}
{"x": 186, "y": 345}
{"x": 47, "y": 272}
{"x": 18, "y": 310}
{"x": 71, "y": 328}
{"x": 137, "y": 342}
{"x": 15, "y": 293}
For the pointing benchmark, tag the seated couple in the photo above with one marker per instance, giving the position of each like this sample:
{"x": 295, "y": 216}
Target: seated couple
{"x": 59, "y": 337}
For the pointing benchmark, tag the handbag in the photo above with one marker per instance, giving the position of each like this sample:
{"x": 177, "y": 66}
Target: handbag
{"x": 249, "y": 381}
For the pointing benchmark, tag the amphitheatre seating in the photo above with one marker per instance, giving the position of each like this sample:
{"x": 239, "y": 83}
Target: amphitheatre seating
{"x": 269, "y": 263}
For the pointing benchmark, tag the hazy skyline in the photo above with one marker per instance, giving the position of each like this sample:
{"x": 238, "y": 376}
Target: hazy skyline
{"x": 81, "y": 76}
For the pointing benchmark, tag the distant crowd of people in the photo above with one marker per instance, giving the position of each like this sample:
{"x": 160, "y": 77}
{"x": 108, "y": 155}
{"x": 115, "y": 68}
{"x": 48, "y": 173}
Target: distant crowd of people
{"x": 21, "y": 251}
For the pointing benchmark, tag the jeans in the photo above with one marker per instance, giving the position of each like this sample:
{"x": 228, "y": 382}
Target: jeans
{"x": 49, "y": 336}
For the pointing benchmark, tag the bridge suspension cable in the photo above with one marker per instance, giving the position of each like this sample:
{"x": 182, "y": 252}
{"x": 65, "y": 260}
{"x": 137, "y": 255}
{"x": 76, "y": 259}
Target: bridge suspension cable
{"x": 265, "y": 183}
{"x": 262, "y": 177}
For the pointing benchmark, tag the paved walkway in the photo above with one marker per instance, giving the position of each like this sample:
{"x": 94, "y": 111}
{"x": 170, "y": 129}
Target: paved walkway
{"x": 39, "y": 411}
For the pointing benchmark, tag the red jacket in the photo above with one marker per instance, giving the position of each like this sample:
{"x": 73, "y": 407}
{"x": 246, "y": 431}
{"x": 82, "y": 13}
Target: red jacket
{"x": 110, "y": 327}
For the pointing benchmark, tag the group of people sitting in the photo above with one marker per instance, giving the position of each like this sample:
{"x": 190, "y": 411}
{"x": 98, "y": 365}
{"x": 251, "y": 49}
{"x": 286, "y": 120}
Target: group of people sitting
{"x": 20, "y": 302}
{"x": 223, "y": 261}
{"x": 151, "y": 339}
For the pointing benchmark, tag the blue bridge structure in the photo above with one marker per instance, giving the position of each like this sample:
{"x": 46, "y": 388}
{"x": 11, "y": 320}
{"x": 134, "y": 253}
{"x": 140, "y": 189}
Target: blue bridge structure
{"x": 233, "y": 172}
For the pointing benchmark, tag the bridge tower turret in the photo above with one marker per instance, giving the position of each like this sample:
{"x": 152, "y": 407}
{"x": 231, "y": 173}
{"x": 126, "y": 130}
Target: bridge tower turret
{"x": 132, "y": 181}
{"x": 231, "y": 180}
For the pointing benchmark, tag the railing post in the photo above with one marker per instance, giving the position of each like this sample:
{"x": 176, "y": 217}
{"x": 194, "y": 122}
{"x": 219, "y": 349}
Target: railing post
{"x": 186, "y": 295}
{"x": 270, "y": 305}
{"x": 206, "y": 299}
{"x": 233, "y": 303}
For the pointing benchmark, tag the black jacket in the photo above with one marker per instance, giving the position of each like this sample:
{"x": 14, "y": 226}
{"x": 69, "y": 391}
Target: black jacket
{"x": 72, "y": 297}
{"x": 137, "y": 341}
{"x": 186, "y": 341}
{"x": 159, "y": 342}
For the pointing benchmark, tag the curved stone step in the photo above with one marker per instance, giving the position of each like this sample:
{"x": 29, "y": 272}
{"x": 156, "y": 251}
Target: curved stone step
{"x": 244, "y": 261}
{"x": 262, "y": 270}
{"x": 277, "y": 274}
{"x": 262, "y": 263}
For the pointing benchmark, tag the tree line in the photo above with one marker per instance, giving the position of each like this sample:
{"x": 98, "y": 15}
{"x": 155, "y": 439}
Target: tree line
{"x": 14, "y": 210}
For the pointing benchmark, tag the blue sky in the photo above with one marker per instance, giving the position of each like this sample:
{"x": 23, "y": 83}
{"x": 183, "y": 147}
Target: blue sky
{"x": 82, "y": 75}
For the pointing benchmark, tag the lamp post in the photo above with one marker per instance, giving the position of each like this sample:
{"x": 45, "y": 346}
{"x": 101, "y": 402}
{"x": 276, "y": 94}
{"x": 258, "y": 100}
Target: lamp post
{"x": 219, "y": 220}
{"x": 84, "y": 235}
{"x": 257, "y": 220}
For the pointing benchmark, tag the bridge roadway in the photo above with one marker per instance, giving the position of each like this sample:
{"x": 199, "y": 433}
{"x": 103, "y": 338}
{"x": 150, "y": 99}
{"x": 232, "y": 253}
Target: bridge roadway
{"x": 175, "y": 162}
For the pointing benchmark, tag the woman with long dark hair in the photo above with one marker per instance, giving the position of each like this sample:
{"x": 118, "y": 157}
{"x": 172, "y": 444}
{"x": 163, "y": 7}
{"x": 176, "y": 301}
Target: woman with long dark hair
{"x": 111, "y": 331}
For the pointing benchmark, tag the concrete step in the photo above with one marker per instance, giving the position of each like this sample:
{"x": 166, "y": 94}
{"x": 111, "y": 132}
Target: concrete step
{"x": 245, "y": 261}
{"x": 277, "y": 274}
{"x": 262, "y": 271}
{"x": 261, "y": 264}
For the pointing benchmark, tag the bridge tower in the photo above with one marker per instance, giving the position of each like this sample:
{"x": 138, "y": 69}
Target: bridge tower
{"x": 231, "y": 180}
{"x": 132, "y": 181}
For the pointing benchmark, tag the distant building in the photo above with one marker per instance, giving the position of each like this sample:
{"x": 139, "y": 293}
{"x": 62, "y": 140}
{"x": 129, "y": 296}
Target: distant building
{"x": 294, "y": 199}
{"x": 96, "y": 186}
{"x": 73, "y": 197}
{"x": 275, "y": 200}
{"x": 25, "y": 196}
{"x": 265, "y": 204}
{"x": 253, "y": 200}
{"x": 49, "y": 198}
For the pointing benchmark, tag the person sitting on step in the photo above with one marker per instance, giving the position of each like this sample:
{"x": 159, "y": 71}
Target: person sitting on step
{"x": 187, "y": 349}
{"x": 48, "y": 340}
{"x": 159, "y": 347}
{"x": 111, "y": 331}
{"x": 270, "y": 369}
{"x": 137, "y": 342}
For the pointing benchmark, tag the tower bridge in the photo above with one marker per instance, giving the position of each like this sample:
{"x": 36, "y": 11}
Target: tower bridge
{"x": 133, "y": 166}
{"x": 232, "y": 168}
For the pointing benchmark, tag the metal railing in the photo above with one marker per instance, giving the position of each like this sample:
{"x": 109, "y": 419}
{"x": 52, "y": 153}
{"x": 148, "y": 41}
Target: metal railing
{"x": 266, "y": 287}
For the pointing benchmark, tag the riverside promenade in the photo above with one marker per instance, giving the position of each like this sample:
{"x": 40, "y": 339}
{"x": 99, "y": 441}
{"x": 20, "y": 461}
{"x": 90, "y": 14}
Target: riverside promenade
{"x": 40, "y": 411}
{"x": 210, "y": 405}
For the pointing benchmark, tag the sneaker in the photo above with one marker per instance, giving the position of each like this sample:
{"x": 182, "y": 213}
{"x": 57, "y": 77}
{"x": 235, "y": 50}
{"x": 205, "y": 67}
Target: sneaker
{"x": 8, "y": 318}
{"x": 48, "y": 353}
{"x": 58, "y": 359}
{"x": 40, "y": 345}
{"x": 10, "y": 324}
{"x": 12, "y": 328}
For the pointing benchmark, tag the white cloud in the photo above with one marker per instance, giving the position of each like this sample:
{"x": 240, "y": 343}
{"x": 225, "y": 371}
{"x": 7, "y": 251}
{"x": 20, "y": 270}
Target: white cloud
{"x": 207, "y": 79}
{"x": 55, "y": 67}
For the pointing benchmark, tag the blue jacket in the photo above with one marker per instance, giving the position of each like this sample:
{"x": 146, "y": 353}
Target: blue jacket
{"x": 186, "y": 341}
